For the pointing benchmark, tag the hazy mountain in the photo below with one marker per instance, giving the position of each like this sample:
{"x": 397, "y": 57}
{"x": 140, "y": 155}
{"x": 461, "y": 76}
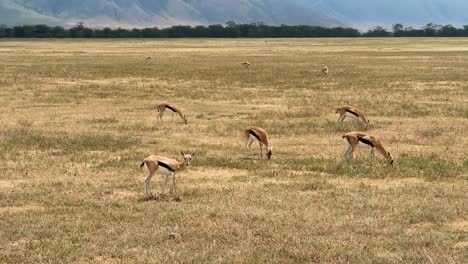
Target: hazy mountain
{"x": 369, "y": 13}
{"x": 127, "y": 13}
{"x": 139, "y": 13}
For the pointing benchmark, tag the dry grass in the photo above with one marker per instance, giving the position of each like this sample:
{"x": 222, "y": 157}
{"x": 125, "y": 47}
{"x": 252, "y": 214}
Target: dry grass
{"x": 77, "y": 119}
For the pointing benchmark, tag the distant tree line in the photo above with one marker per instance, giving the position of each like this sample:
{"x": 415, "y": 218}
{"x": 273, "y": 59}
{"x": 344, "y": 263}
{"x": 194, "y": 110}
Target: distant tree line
{"x": 229, "y": 30}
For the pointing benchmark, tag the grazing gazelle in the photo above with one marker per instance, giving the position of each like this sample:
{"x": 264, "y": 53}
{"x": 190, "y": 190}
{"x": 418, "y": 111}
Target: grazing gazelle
{"x": 253, "y": 133}
{"x": 325, "y": 70}
{"x": 355, "y": 139}
{"x": 246, "y": 64}
{"x": 167, "y": 167}
{"x": 148, "y": 59}
{"x": 349, "y": 111}
{"x": 162, "y": 107}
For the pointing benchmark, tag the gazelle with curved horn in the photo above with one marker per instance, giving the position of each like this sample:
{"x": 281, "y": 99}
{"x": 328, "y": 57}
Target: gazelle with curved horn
{"x": 252, "y": 134}
{"x": 161, "y": 108}
{"x": 355, "y": 139}
{"x": 353, "y": 112}
{"x": 167, "y": 167}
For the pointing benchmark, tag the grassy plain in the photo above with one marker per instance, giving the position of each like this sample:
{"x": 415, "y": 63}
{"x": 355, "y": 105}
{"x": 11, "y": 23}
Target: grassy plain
{"x": 77, "y": 119}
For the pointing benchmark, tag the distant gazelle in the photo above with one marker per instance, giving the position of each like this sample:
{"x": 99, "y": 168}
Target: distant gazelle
{"x": 253, "y": 133}
{"x": 163, "y": 106}
{"x": 355, "y": 139}
{"x": 246, "y": 64}
{"x": 148, "y": 59}
{"x": 325, "y": 70}
{"x": 350, "y": 111}
{"x": 167, "y": 167}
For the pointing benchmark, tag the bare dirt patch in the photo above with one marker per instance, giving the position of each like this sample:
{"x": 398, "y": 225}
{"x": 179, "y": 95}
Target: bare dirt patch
{"x": 461, "y": 226}
{"x": 9, "y": 185}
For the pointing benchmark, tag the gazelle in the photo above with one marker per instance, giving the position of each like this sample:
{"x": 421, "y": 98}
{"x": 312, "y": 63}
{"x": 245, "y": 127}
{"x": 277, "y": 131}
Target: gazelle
{"x": 355, "y": 139}
{"x": 349, "y": 111}
{"x": 253, "y": 133}
{"x": 167, "y": 167}
{"x": 325, "y": 70}
{"x": 246, "y": 64}
{"x": 162, "y": 107}
{"x": 148, "y": 59}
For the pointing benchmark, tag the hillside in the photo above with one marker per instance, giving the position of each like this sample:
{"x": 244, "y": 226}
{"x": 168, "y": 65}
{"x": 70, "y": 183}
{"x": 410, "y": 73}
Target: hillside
{"x": 366, "y": 13}
{"x": 143, "y": 13}
{"x": 137, "y": 13}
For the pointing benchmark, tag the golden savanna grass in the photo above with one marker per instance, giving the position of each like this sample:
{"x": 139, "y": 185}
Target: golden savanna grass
{"x": 77, "y": 118}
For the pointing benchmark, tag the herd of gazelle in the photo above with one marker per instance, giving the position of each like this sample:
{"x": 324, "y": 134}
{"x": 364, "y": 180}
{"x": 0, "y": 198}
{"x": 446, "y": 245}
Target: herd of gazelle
{"x": 169, "y": 167}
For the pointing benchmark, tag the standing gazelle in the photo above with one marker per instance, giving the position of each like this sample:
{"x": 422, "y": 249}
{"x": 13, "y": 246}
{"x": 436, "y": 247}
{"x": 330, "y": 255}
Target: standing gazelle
{"x": 355, "y": 139}
{"x": 165, "y": 166}
{"x": 253, "y": 133}
{"x": 246, "y": 64}
{"x": 349, "y": 111}
{"x": 162, "y": 107}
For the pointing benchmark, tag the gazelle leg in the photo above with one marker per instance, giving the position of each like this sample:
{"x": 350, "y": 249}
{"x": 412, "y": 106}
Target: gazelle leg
{"x": 249, "y": 145}
{"x": 338, "y": 121}
{"x": 163, "y": 187}
{"x": 172, "y": 117}
{"x": 174, "y": 186}
{"x": 348, "y": 154}
{"x": 261, "y": 150}
{"x": 371, "y": 154}
{"x": 364, "y": 122}
{"x": 148, "y": 185}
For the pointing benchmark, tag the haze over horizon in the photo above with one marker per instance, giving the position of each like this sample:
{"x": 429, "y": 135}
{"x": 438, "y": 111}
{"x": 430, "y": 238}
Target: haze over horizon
{"x": 361, "y": 14}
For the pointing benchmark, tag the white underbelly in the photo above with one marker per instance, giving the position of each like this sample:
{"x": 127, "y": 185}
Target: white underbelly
{"x": 350, "y": 115}
{"x": 162, "y": 170}
{"x": 363, "y": 145}
{"x": 253, "y": 138}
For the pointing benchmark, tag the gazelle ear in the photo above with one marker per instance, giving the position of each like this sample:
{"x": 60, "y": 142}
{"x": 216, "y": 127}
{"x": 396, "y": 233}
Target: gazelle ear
{"x": 193, "y": 154}
{"x": 183, "y": 154}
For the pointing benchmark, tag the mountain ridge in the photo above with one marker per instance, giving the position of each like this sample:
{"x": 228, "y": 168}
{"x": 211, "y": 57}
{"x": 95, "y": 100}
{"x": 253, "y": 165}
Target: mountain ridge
{"x": 163, "y": 13}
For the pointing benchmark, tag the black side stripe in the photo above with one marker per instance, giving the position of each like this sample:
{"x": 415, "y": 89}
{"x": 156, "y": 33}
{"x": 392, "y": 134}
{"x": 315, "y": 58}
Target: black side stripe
{"x": 365, "y": 141}
{"x": 170, "y": 108}
{"x": 164, "y": 165}
{"x": 351, "y": 112}
{"x": 253, "y": 134}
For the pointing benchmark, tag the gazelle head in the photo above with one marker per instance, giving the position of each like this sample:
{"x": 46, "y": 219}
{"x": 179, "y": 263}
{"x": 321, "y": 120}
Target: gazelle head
{"x": 390, "y": 159}
{"x": 187, "y": 158}
{"x": 185, "y": 120}
{"x": 269, "y": 152}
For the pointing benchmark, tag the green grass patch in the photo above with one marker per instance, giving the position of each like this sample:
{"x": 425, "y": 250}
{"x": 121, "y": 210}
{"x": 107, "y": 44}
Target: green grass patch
{"x": 26, "y": 139}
